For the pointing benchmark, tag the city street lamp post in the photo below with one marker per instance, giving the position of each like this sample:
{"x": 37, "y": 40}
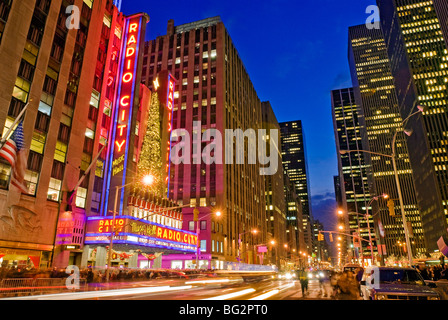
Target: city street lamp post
{"x": 198, "y": 247}
{"x": 240, "y": 245}
{"x": 421, "y": 109}
{"x": 385, "y": 196}
{"x": 147, "y": 180}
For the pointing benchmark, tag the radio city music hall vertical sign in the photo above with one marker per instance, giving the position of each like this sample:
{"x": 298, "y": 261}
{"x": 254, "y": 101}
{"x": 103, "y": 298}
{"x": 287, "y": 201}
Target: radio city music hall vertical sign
{"x": 128, "y": 81}
{"x": 169, "y": 106}
{"x": 165, "y": 86}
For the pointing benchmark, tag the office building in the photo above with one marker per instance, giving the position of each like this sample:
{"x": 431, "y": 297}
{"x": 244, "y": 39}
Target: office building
{"x": 294, "y": 218}
{"x": 213, "y": 91}
{"x": 353, "y": 173}
{"x": 276, "y": 219}
{"x": 415, "y": 34}
{"x": 296, "y": 167}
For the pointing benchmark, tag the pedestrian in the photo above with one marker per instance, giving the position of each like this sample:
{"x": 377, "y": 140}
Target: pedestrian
{"x": 348, "y": 286}
{"x": 303, "y": 276}
{"x": 90, "y": 275}
{"x": 424, "y": 272}
{"x": 444, "y": 273}
{"x": 334, "y": 283}
{"x": 359, "y": 274}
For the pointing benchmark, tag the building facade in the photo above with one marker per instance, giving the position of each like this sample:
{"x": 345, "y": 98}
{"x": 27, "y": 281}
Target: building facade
{"x": 276, "y": 213}
{"x": 48, "y": 67}
{"x": 415, "y": 34}
{"x": 84, "y": 124}
{"x": 353, "y": 173}
{"x": 296, "y": 167}
{"x": 213, "y": 91}
{"x": 294, "y": 220}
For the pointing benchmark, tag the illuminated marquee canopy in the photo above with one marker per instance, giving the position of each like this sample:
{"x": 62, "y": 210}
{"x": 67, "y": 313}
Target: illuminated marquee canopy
{"x": 130, "y": 230}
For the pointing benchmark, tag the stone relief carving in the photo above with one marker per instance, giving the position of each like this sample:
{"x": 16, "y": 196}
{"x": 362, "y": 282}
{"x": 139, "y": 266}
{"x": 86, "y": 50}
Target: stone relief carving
{"x": 20, "y": 220}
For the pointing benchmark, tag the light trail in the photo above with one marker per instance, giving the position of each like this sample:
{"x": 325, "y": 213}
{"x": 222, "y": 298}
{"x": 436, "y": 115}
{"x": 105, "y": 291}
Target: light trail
{"x": 272, "y": 293}
{"x": 100, "y": 294}
{"x": 232, "y": 295}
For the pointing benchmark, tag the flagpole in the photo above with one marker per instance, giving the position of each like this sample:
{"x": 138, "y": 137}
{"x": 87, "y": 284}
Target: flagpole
{"x": 14, "y": 124}
{"x": 85, "y": 174}
{"x": 69, "y": 201}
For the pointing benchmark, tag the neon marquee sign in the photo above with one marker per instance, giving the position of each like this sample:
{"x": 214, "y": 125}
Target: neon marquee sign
{"x": 125, "y": 95}
{"x": 120, "y": 144}
{"x": 130, "y": 228}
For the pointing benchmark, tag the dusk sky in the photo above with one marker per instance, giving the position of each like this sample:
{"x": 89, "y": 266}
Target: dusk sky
{"x": 295, "y": 53}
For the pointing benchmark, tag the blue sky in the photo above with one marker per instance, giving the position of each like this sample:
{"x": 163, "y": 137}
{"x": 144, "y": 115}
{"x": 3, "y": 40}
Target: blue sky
{"x": 295, "y": 53}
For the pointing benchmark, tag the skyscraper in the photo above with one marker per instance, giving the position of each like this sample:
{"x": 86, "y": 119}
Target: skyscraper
{"x": 213, "y": 91}
{"x": 415, "y": 34}
{"x": 296, "y": 167}
{"x": 353, "y": 169}
{"x": 375, "y": 93}
{"x": 276, "y": 219}
{"x": 294, "y": 216}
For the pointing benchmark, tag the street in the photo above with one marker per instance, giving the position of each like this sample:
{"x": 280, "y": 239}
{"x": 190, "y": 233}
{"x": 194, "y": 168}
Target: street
{"x": 217, "y": 290}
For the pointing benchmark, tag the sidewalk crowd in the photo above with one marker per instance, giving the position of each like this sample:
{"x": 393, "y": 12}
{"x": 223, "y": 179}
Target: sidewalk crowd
{"x": 97, "y": 275}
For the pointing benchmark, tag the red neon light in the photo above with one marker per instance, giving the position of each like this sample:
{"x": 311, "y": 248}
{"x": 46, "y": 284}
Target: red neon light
{"x": 122, "y": 101}
{"x": 133, "y": 27}
{"x": 130, "y": 51}
{"x": 129, "y": 60}
{"x": 120, "y": 145}
{"x": 123, "y": 126}
{"x": 127, "y": 77}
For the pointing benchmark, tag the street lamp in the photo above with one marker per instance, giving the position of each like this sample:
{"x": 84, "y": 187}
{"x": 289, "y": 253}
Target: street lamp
{"x": 240, "y": 245}
{"x": 198, "y": 247}
{"x": 147, "y": 180}
{"x": 385, "y": 196}
{"x": 421, "y": 109}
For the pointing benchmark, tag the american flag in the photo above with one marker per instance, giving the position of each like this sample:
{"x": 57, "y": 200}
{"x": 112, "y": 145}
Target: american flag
{"x": 13, "y": 152}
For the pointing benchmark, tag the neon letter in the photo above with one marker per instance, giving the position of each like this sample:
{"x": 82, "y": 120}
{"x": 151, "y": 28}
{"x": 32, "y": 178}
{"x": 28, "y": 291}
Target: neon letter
{"x": 121, "y": 129}
{"x": 132, "y": 40}
{"x": 120, "y": 145}
{"x": 133, "y": 27}
{"x": 130, "y": 52}
{"x": 124, "y": 104}
{"x": 127, "y": 77}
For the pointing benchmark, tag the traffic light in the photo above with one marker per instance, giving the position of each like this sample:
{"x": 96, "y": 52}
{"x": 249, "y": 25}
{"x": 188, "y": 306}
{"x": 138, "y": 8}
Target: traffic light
{"x": 320, "y": 237}
{"x": 195, "y": 214}
{"x": 391, "y": 206}
{"x": 331, "y": 237}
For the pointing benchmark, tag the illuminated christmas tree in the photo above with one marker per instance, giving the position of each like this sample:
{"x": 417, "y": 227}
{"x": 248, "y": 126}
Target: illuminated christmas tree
{"x": 150, "y": 160}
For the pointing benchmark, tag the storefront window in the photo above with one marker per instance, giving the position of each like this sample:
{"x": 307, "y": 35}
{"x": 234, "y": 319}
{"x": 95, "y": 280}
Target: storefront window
{"x": 189, "y": 264}
{"x": 176, "y": 264}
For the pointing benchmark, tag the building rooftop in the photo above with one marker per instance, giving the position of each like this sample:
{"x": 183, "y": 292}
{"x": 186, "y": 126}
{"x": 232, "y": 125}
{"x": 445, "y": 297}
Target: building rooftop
{"x": 197, "y": 24}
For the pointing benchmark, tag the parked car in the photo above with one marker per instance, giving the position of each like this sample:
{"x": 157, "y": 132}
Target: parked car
{"x": 394, "y": 283}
